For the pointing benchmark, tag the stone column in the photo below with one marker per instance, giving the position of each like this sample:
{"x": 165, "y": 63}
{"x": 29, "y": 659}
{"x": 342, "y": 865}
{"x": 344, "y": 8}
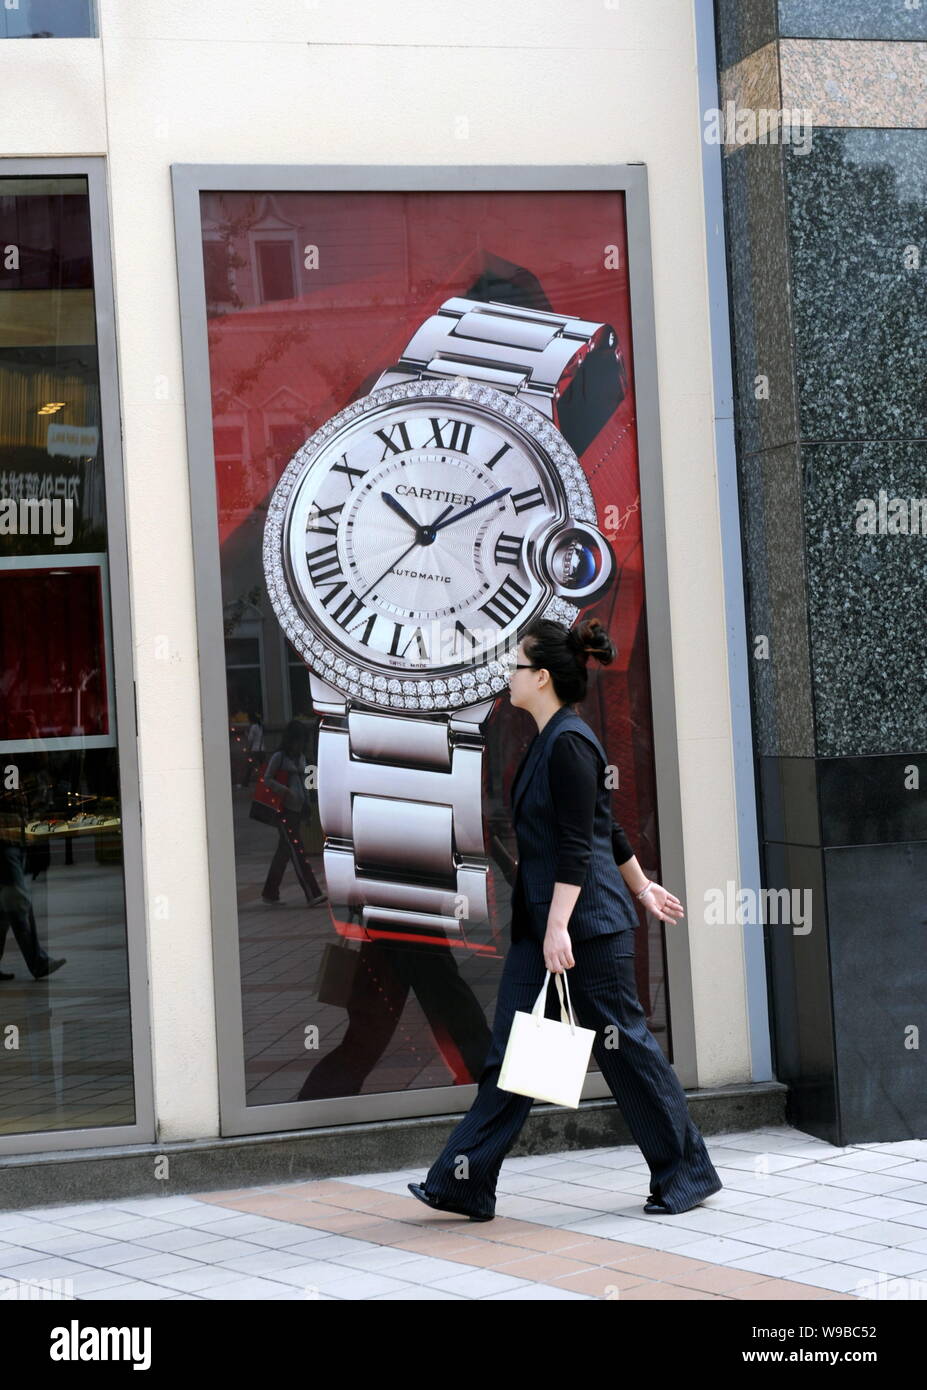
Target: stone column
{"x": 827, "y": 236}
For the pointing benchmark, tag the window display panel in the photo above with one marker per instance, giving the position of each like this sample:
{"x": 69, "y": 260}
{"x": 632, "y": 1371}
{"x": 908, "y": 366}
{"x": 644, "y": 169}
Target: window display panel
{"x": 423, "y": 423}
{"x": 64, "y": 994}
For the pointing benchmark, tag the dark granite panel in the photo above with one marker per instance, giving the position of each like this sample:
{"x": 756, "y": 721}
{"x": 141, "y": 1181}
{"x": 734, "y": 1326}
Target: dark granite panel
{"x": 765, "y": 406}
{"x": 866, "y": 599}
{"x": 789, "y": 798}
{"x": 826, "y": 265}
{"x": 851, "y": 19}
{"x": 773, "y": 548}
{"x": 838, "y": 802}
{"x": 798, "y": 976}
{"x": 743, "y": 26}
{"x": 877, "y": 914}
{"x": 858, "y": 234}
{"x": 871, "y": 801}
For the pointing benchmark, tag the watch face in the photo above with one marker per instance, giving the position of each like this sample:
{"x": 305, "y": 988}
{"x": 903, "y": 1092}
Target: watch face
{"x": 403, "y": 541}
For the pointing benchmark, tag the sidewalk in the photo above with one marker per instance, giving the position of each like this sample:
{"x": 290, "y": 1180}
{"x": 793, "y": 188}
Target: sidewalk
{"x": 796, "y": 1219}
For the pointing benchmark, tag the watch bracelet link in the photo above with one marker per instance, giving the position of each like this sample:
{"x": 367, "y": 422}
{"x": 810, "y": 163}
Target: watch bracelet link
{"x": 528, "y": 353}
{"x": 400, "y": 798}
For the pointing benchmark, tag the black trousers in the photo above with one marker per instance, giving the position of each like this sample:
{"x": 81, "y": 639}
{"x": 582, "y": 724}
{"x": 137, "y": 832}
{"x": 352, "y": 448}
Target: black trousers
{"x": 290, "y": 850}
{"x": 385, "y": 971}
{"x": 648, "y": 1092}
{"x": 16, "y": 908}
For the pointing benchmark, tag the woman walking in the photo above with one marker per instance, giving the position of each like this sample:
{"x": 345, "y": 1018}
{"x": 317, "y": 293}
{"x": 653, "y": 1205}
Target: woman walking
{"x": 254, "y": 747}
{"x": 286, "y": 774}
{"x": 572, "y": 910}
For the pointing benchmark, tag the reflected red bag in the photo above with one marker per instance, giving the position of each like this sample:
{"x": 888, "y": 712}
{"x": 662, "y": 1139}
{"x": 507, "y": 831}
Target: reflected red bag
{"x": 266, "y": 804}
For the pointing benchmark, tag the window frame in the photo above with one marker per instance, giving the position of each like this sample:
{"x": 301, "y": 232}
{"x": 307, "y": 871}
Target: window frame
{"x": 122, "y": 675}
{"x": 189, "y": 181}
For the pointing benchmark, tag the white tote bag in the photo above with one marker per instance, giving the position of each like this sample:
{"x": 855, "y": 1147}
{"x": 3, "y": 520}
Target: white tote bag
{"x": 546, "y": 1059}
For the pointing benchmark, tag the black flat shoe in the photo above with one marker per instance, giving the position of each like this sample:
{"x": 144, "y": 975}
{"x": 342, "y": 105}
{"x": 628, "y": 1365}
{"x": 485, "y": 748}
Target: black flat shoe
{"x": 51, "y": 967}
{"x": 5, "y": 976}
{"x": 437, "y": 1204}
{"x": 655, "y": 1207}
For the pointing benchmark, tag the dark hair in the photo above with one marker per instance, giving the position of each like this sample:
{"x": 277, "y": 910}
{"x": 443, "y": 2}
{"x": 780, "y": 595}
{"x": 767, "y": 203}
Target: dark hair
{"x": 293, "y": 739}
{"x": 564, "y": 652}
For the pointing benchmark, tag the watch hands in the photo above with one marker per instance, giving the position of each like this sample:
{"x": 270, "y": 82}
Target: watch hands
{"x": 417, "y": 541}
{"x": 439, "y": 525}
{"x": 425, "y": 534}
{"x": 390, "y": 501}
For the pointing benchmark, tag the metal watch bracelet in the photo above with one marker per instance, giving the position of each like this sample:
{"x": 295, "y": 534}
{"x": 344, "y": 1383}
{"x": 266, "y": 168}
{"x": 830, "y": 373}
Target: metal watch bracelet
{"x": 400, "y": 797}
{"x": 528, "y": 353}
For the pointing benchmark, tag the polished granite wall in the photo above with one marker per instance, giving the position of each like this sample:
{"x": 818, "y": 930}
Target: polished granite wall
{"x": 852, "y": 19}
{"x": 745, "y": 25}
{"x": 827, "y": 262}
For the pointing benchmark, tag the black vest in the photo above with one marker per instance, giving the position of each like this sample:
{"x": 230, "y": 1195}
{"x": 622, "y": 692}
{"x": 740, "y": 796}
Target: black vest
{"x": 605, "y": 903}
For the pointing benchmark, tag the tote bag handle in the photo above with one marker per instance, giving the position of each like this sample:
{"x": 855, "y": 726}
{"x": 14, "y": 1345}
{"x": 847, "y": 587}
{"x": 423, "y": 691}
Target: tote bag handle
{"x": 537, "y": 1012}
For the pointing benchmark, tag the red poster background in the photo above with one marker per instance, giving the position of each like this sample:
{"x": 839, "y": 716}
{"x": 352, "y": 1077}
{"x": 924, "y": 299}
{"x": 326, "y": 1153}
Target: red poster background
{"x": 385, "y": 262}
{"x": 291, "y": 343}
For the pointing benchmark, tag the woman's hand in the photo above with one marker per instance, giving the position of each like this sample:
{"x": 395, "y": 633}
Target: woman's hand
{"x": 558, "y": 955}
{"x": 661, "y": 903}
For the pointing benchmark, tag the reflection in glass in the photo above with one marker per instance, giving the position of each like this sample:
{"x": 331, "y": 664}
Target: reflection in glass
{"x": 63, "y": 964}
{"x": 310, "y": 295}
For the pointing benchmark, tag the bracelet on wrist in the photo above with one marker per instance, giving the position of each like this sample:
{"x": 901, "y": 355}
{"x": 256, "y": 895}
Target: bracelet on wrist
{"x": 647, "y": 885}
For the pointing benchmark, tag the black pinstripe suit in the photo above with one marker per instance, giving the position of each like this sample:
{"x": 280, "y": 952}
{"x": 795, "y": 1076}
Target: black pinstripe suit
{"x": 603, "y": 991}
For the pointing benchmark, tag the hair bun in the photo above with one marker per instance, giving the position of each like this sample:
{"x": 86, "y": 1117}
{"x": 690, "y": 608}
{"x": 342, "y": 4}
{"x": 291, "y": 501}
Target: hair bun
{"x": 590, "y": 638}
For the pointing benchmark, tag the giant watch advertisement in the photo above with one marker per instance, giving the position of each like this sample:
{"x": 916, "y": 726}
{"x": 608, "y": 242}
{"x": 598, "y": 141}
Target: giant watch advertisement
{"x": 424, "y": 434}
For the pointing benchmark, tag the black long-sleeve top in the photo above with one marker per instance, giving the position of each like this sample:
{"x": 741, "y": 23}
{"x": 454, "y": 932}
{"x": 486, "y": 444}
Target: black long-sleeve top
{"x": 573, "y": 772}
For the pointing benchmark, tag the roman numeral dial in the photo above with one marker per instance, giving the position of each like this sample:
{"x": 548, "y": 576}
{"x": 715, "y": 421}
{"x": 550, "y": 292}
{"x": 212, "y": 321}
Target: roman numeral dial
{"x": 507, "y": 549}
{"x": 325, "y": 572}
{"x": 410, "y": 535}
{"x": 353, "y": 475}
{"x": 530, "y": 498}
{"x": 324, "y": 565}
{"x": 406, "y": 638}
{"x": 324, "y": 520}
{"x": 395, "y": 438}
{"x": 506, "y": 602}
{"x": 450, "y": 434}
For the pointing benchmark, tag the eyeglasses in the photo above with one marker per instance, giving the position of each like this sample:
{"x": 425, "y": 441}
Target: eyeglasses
{"x": 521, "y": 666}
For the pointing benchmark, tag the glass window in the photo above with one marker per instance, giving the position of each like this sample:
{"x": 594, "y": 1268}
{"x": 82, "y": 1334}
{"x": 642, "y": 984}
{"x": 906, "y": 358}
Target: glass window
{"x": 384, "y": 988}
{"x": 63, "y": 949}
{"x": 47, "y": 19}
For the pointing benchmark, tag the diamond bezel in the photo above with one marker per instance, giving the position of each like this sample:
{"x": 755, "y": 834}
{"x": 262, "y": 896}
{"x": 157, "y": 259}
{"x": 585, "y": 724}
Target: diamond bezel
{"x": 359, "y": 679}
